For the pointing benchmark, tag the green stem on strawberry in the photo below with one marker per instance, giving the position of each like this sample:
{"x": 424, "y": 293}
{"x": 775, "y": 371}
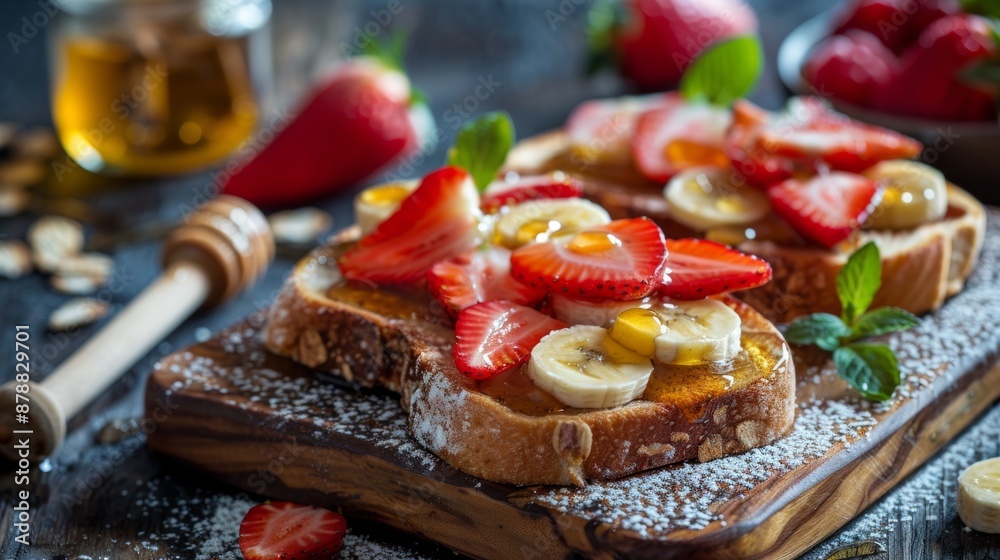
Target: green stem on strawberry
{"x": 870, "y": 368}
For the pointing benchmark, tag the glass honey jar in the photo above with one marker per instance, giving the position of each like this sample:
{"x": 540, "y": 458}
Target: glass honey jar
{"x": 156, "y": 87}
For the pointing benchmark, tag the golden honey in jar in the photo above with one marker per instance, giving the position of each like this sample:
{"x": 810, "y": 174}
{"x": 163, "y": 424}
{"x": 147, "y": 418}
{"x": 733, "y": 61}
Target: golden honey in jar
{"x": 152, "y": 87}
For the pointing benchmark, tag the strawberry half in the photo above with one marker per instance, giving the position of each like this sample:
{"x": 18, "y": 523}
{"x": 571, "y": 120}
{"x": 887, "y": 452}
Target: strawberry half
{"x": 825, "y": 208}
{"x": 618, "y": 260}
{"x": 479, "y": 276}
{"x": 698, "y": 268}
{"x": 437, "y": 221}
{"x": 532, "y": 187}
{"x": 494, "y": 336}
{"x": 677, "y": 135}
{"x": 757, "y": 166}
{"x": 286, "y": 530}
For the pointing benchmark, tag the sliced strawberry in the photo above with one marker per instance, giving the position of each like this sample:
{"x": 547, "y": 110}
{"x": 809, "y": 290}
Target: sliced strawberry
{"x": 286, "y": 530}
{"x": 825, "y": 208}
{"x": 807, "y": 136}
{"x": 619, "y": 260}
{"x": 437, "y": 221}
{"x": 811, "y": 131}
{"x": 494, "y": 336}
{"x": 600, "y": 129}
{"x": 679, "y": 135}
{"x": 757, "y": 166}
{"x": 479, "y": 276}
{"x": 531, "y": 187}
{"x": 698, "y": 268}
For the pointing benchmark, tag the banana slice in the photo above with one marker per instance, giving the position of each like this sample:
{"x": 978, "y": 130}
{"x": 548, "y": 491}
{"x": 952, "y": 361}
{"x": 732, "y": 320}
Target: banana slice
{"x": 375, "y": 204}
{"x": 691, "y": 332}
{"x": 703, "y": 198}
{"x": 979, "y": 496}
{"x": 914, "y": 194}
{"x": 583, "y": 368}
{"x": 598, "y": 313}
{"x": 537, "y": 220}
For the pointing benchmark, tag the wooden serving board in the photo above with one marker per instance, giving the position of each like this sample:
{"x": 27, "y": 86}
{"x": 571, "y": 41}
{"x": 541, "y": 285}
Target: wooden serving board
{"x": 270, "y": 426}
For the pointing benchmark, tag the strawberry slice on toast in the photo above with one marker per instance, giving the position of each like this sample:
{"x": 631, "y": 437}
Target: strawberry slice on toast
{"x": 826, "y": 208}
{"x": 437, "y": 221}
{"x": 619, "y": 260}
{"x": 698, "y": 268}
{"x": 677, "y": 135}
{"x": 482, "y": 275}
{"x": 494, "y": 336}
{"x": 531, "y": 187}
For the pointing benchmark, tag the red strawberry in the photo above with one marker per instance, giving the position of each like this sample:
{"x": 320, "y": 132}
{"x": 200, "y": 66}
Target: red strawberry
{"x": 698, "y": 268}
{"x": 494, "y": 336}
{"x": 619, "y": 260}
{"x": 678, "y": 135}
{"x": 661, "y": 37}
{"x": 479, "y": 276}
{"x": 825, "y": 208}
{"x": 895, "y": 23}
{"x": 929, "y": 83}
{"x": 531, "y": 187}
{"x": 355, "y": 121}
{"x": 849, "y": 67}
{"x": 600, "y": 129}
{"x": 437, "y": 221}
{"x": 757, "y": 166}
{"x": 811, "y": 132}
{"x": 286, "y": 530}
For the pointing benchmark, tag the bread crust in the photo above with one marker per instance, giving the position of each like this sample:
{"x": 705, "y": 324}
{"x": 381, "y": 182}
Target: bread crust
{"x": 410, "y": 353}
{"x": 920, "y": 267}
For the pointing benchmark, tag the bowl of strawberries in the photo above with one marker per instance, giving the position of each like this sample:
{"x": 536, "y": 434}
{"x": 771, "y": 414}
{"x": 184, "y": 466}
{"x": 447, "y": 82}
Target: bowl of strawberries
{"x": 927, "y": 68}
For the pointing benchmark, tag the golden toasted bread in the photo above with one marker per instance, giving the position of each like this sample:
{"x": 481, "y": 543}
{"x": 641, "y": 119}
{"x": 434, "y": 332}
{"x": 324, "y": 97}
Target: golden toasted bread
{"x": 920, "y": 267}
{"x": 506, "y": 429}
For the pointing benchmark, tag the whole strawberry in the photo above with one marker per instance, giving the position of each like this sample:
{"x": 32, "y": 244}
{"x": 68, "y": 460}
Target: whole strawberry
{"x": 357, "y": 119}
{"x": 655, "y": 40}
{"x": 895, "y": 23}
{"x": 930, "y": 82}
{"x": 850, "y": 66}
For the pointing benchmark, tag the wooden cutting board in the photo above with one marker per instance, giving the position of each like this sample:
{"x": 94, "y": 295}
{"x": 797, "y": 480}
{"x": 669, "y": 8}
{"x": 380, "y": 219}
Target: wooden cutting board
{"x": 273, "y": 427}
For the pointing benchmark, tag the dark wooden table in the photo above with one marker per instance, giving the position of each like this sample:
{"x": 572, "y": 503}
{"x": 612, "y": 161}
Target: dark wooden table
{"x": 117, "y": 500}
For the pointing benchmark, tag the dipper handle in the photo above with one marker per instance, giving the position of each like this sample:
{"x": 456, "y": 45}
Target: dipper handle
{"x": 218, "y": 251}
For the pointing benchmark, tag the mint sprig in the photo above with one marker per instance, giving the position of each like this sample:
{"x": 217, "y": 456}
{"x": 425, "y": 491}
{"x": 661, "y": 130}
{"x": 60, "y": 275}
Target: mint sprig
{"x": 870, "y": 368}
{"x": 481, "y": 146}
{"x": 724, "y": 72}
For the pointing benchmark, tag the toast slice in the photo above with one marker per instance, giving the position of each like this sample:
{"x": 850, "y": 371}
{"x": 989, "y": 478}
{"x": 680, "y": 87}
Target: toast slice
{"x": 505, "y": 429}
{"x": 920, "y": 267}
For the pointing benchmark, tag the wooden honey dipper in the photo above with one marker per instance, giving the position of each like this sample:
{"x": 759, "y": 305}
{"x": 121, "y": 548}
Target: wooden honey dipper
{"x": 219, "y": 250}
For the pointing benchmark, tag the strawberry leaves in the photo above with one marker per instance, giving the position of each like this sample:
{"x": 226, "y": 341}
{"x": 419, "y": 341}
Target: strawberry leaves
{"x": 870, "y": 368}
{"x": 724, "y": 72}
{"x": 481, "y": 146}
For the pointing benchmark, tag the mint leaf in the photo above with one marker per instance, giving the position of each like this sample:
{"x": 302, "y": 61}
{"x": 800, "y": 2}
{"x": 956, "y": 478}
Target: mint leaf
{"x": 988, "y": 8}
{"x": 872, "y": 369}
{"x": 481, "y": 146}
{"x": 858, "y": 281}
{"x": 822, "y": 329}
{"x": 724, "y": 72}
{"x": 884, "y": 320}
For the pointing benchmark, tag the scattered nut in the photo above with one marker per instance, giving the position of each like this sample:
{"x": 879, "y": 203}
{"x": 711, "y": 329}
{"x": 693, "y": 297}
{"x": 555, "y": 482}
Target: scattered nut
{"x": 54, "y": 239}
{"x": 86, "y": 264}
{"x": 13, "y": 201}
{"x": 300, "y": 226}
{"x": 36, "y": 143}
{"x": 77, "y": 313}
{"x": 23, "y": 172}
{"x": 77, "y": 285}
{"x": 15, "y": 259}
